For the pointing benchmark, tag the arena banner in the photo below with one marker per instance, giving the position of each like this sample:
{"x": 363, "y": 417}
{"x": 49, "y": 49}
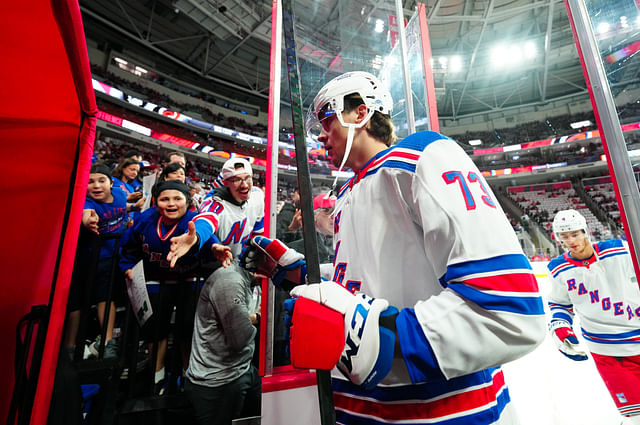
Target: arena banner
{"x": 47, "y": 131}
{"x": 547, "y": 142}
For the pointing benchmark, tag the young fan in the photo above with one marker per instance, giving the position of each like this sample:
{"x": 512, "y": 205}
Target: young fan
{"x": 105, "y": 213}
{"x": 149, "y": 240}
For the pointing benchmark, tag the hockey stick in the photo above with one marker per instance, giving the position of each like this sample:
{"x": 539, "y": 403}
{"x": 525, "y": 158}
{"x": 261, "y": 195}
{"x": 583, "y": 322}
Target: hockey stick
{"x": 325, "y": 393}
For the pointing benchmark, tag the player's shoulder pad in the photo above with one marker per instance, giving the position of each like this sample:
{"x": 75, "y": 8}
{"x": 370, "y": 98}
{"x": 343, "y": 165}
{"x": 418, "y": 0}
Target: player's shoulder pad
{"x": 420, "y": 140}
{"x": 611, "y": 243}
{"x": 556, "y": 262}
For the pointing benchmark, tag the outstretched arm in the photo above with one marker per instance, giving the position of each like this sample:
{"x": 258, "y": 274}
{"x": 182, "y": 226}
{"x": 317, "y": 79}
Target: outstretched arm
{"x": 182, "y": 244}
{"x": 90, "y": 220}
{"x": 222, "y": 253}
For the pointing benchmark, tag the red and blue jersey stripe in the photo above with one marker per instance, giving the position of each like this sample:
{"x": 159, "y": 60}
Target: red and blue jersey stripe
{"x": 402, "y": 156}
{"x": 610, "y": 248}
{"x": 630, "y": 337}
{"x": 502, "y": 283}
{"x": 477, "y": 398}
{"x": 561, "y": 312}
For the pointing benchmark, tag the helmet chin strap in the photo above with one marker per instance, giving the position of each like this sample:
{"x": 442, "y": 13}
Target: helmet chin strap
{"x": 347, "y": 150}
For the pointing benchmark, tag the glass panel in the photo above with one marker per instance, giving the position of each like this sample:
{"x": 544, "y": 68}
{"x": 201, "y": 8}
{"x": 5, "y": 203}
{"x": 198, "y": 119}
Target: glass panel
{"x": 616, "y": 25}
{"x": 348, "y": 36}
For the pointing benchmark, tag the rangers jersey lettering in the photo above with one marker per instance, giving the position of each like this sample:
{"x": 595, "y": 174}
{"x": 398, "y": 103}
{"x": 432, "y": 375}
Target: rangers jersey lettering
{"x": 603, "y": 290}
{"x": 232, "y": 223}
{"x": 419, "y": 222}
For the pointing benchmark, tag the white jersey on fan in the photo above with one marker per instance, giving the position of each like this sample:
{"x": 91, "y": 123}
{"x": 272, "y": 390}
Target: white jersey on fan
{"x": 603, "y": 291}
{"x": 232, "y": 222}
{"x": 419, "y": 222}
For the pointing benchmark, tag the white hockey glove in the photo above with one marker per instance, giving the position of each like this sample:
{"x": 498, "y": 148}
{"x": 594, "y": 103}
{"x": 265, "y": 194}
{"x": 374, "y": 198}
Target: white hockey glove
{"x": 368, "y": 351}
{"x": 566, "y": 340}
{"x": 271, "y": 258}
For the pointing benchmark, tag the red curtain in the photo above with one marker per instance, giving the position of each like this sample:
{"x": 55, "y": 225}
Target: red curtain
{"x": 47, "y": 127}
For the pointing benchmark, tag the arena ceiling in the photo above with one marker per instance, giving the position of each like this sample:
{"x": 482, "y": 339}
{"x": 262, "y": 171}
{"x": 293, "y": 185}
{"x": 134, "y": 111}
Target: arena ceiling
{"x": 223, "y": 45}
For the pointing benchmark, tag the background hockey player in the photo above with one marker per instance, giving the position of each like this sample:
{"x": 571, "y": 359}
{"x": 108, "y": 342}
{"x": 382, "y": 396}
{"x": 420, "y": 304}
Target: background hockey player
{"x": 598, "y": 283}
{"x": 417, "y": 228}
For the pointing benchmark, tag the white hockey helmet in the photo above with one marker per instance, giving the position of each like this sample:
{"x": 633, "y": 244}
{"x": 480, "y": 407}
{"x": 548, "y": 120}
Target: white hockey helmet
{"x": 568, "y": 221}
{"x": 373, "y": 93}
{"x": 330, "y": 101}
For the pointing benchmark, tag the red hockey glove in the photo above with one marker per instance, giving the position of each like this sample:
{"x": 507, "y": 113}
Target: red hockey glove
{"x": 271, "y": 258}
{"x": 367, "y": 355}
{"x": 566, "y": 340}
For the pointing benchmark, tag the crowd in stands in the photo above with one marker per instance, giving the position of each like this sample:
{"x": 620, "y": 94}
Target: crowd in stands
{"x": 177, "y": 130}
{"x": 530, "y": 131}
{"x": 138, "y": 90}
{"x": 541, "y": 205}
{"x": 319, "y": 164}
{"x": 120, "y": 230}
{"x": 110, "y": 150}
{"x": 604, "y": 196}
{"x": 578, "y": 152}
{"x": 556, "y": 126}
{"x": 629, "y": 112}
{"x": 535, "y": 130}
{"x": 571, "y": 153}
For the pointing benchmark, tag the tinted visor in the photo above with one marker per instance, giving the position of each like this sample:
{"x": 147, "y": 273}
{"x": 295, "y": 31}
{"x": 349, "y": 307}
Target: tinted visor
{"x": 324, "y": 114}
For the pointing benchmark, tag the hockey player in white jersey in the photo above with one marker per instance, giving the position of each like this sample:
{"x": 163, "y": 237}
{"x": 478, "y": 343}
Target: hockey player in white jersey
{"x": 419, "y": 229}
{"x": 597, "y": 282}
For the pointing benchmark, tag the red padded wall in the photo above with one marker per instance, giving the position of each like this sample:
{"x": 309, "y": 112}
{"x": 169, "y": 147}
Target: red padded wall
{"x": 47, "y": 126}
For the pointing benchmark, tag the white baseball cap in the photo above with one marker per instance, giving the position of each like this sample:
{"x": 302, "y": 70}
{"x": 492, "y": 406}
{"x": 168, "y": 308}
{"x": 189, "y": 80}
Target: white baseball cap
{"x": 229, "y": 168}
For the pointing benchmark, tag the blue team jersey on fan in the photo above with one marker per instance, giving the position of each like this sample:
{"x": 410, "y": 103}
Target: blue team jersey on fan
{"x": 112, "y": 218}
{"x": 149, "y": 240}
{"x": 128, "y": 188}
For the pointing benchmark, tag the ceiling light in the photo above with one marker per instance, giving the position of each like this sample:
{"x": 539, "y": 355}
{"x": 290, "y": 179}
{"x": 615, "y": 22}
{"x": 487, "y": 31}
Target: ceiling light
{"x": 530, "y": 50}
{"x": 623, "y": 22}
{"x": 498, "y": 54}
{"x": 603, "y": 27}
{"x": 514, "y": 55}
{"x": 379, "y": 25}
{"x": 455, "y": 64}
{"x": 581, "y": 124}
{"x": 122, "y": 61}
{"x": 443, "y": 60}
{"x": 475, "y": 142}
